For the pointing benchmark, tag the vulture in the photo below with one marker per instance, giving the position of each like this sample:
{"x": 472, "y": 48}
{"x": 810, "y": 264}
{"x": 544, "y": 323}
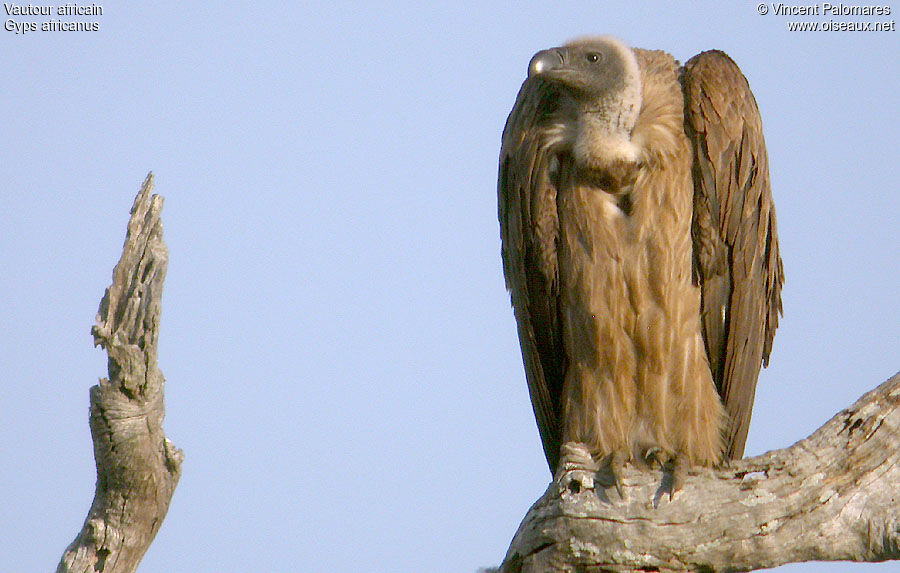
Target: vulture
{"x": 640, "y": 250}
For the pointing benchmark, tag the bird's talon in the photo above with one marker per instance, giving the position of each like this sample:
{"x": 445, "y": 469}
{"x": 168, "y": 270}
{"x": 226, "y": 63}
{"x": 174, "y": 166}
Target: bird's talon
{"x": 619, "y": 489}
{"x": 652, "y": 456}
{"x": 616, "y": 465}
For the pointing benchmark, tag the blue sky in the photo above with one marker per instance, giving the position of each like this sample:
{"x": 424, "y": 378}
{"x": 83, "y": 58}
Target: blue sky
{"x": 342, "y": 364}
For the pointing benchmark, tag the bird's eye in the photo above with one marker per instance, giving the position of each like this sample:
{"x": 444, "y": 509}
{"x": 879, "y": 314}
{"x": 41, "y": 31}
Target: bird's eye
{"x": 593, "y": 57}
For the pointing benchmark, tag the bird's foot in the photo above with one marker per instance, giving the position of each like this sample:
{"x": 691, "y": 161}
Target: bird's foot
{"x": 674, "y": 470}
{"x": 611, "y": 473}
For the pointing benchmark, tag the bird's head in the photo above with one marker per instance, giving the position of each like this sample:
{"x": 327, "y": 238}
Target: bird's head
{"x": 596, "y": 71}
{"x": 601, "y": 76}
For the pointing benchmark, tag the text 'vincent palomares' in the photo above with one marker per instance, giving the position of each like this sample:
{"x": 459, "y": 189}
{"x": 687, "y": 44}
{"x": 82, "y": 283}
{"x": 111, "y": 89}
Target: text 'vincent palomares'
{"x": 826, "y": 9}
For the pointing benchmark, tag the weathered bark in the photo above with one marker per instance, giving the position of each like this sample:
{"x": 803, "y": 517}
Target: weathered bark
{"x": 832, "y": 496}
{"x": 137, "y": 467}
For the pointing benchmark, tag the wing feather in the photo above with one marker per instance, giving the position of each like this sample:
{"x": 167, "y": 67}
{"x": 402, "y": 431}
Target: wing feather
{"x": 736, "y": 256}
{"x": 529, "y": 228}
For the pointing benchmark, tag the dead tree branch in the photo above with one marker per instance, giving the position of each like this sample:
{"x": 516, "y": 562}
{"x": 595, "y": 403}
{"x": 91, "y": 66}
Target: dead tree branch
{"x": 832, "y": 496}
{"x": 137, "y": 467}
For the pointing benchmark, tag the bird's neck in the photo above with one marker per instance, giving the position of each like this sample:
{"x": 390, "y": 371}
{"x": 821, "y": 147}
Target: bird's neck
{"x": 603, "y": 134}
{"x": 604, "y": 138}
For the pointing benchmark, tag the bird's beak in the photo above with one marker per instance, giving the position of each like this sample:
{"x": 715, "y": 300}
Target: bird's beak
{"x": 546, "y": 61}
{"x": 555, "y": 65}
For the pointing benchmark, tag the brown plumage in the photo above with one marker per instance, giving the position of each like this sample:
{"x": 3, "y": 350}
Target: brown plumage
{"x": 640, "y": 250}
